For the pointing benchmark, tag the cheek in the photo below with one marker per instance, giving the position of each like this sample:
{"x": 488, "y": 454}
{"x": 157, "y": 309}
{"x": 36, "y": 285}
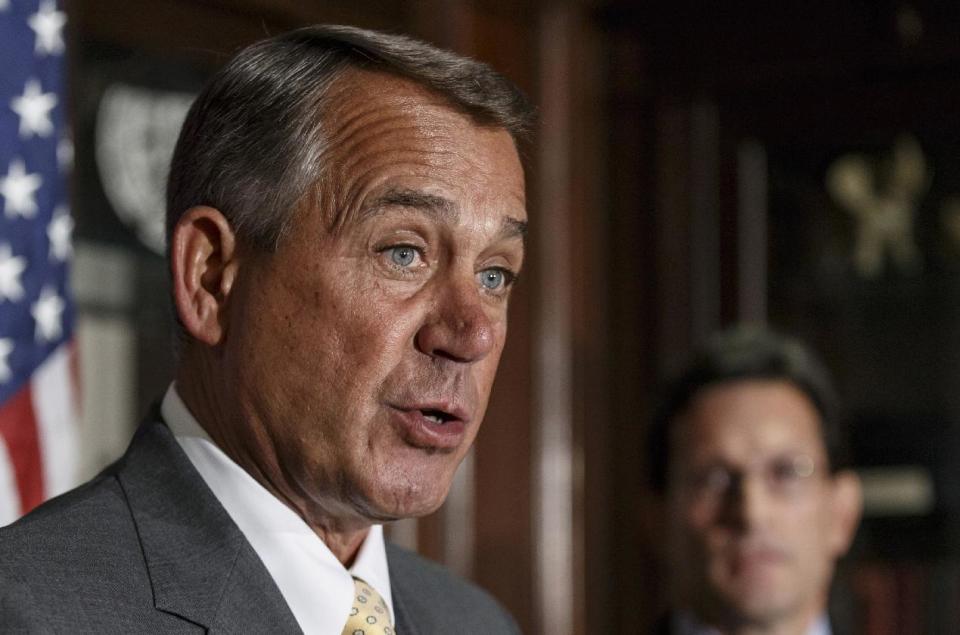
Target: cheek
{"x": 811, "y": 528}
{"x": 486, "y": 369}
{"x": 348, "y": 324}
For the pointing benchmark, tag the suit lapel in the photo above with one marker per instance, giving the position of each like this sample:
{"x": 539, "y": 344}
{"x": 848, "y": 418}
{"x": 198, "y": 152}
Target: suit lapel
{"x": 404, "y": 624}
{"x": 200, "y": 565}
{"x": 404, "y": 589}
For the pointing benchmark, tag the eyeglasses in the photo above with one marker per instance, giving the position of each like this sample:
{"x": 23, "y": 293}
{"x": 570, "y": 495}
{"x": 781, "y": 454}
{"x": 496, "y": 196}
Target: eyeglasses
{"x": 784, "y": 477}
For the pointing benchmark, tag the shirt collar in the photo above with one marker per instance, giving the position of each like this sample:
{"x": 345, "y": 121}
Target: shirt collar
{"x": 685, "y": 623}
{"x": 317, "y": 587}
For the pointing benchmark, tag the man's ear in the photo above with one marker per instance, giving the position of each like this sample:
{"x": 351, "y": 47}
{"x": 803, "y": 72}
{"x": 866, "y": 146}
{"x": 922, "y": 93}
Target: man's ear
{"x": 847, "y": 506}
{"x": 203, "y": 263}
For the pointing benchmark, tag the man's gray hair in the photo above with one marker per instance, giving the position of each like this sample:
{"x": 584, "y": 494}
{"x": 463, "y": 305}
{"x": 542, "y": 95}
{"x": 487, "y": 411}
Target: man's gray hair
{"x": 253, "y": 143}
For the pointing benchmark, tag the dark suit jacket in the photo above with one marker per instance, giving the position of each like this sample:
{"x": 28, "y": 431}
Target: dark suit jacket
{"x": 145, "y": 547}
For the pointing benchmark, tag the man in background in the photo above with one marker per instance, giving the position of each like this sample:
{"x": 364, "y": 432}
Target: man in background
{"x": 346, "y": 216}
{"x": 747, "y": 461}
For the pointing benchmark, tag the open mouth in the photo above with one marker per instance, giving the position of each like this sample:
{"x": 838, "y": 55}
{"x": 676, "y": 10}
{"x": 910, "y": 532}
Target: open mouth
{"x": 430, "y": 428}
{"x": 438, "y": 416}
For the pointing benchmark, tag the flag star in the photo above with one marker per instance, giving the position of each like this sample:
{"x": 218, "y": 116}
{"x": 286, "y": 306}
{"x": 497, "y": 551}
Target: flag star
{"x": 34, "y": 108}
{"x": 18, "y": 190}
{"x": 48, "y": 24}
{"x": 6, "y": 347}
{"x": 47, "y": 312}
{"x": 4, "y": 5}
{"x": 10, "y": 269}
{"x": 58, "y": 232}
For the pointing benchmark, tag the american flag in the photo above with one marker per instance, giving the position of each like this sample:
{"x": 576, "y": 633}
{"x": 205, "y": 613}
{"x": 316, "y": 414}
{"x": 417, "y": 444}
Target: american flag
{"x": 38, "y": 436}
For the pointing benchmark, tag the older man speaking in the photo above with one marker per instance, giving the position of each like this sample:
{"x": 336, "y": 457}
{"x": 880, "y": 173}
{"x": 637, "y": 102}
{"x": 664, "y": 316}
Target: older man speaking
{"x": 346, "y": 217}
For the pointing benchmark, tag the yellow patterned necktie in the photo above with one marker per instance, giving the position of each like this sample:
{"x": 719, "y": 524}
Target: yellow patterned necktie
{"x": 369, "y": 614}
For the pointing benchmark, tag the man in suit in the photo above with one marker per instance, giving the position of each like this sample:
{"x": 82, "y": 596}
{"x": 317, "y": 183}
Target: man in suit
{"x": 746, "y": 459}
{"x": 346, "y": 216}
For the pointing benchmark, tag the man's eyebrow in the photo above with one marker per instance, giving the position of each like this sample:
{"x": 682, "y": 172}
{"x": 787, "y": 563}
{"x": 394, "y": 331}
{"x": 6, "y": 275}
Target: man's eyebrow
{"x": 436, "y": 206}
{"x": 514, "y": 228}
{"x": 415, "y": 199}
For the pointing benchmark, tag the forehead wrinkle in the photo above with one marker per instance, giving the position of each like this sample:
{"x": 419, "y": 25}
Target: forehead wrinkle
{"x": 351, "y": 107}
{"x": 367, "y": 129}
{"x": 398, "y": 155}
{"x": 355, "y": 158}
{"x": 354, "y": 185}
{"x": 356, "y": 126}
{"x": 423, "y": 137}
{"x": 353, "y": 175}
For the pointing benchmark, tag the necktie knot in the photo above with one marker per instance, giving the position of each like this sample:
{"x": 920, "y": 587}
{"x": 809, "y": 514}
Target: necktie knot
{"x": 369, "y": 614}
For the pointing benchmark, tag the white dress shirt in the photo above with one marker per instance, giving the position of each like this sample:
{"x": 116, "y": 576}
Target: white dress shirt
{"x": 686, "y": 624}
{"x": 316, "y": 586}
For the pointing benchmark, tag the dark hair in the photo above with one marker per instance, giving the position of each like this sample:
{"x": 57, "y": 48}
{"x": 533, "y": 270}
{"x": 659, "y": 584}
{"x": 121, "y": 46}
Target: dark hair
{"x": 253, "y": 143}
{"x": 745, "y": 353}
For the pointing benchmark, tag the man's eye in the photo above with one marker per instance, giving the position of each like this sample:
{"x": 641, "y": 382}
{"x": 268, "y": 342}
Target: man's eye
{"x": 791, "y": 470}
{"x": 495, "y": 278}
{"x": 402, "y": 255}
{"x": 783, "y": 472}
{"x": 715, "y": 480}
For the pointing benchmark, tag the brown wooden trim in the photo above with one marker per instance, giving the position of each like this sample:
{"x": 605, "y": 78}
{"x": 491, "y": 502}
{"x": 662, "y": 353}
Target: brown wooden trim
{"x": 554, "y": 583}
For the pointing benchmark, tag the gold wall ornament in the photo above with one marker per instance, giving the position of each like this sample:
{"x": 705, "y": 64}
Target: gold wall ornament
{"x": 882, "y": 196}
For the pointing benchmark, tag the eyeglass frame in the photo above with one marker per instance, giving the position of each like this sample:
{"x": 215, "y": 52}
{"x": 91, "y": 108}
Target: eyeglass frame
{"x": 786, "y": 477}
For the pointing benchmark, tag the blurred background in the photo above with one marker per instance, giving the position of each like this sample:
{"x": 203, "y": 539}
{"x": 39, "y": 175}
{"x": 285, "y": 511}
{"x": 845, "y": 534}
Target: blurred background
{"x": 794, "y": 163}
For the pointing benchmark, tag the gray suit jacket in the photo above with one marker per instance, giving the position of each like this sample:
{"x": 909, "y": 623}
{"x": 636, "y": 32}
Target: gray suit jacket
{"x": 145, "y": 547}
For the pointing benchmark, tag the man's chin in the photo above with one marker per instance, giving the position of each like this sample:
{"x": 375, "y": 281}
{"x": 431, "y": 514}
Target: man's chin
{"x": 391, "y": 504}
{"x": 761, "y": 606}
{"x": 751, "y": 600}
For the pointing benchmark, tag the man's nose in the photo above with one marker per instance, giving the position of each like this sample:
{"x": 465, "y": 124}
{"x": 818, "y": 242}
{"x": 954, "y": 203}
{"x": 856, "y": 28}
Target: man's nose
{"x": 458, "y": 327}
{"x": 748, "y": 505}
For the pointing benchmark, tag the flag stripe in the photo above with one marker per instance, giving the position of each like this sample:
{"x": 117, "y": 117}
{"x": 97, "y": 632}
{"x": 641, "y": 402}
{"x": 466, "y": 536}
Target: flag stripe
{"x": 9, "y": 493}
{"x": 19, "y": 431}
{"x": 53, "y": 403}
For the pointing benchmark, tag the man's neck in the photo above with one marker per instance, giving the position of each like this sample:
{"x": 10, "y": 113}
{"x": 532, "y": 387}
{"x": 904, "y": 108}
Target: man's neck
{"x": 343, "y": 534}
